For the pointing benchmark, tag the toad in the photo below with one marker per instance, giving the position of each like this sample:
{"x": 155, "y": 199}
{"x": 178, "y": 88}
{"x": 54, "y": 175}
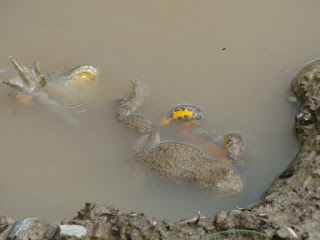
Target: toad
{"x": 176, "y": 161}
{"x": 30, "y": 84}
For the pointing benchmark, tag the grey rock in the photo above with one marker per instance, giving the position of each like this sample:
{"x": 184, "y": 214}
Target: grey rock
{"x": 31, "y": 228}
{"x": 20, "y": 227}
{"x": 287, "y": 233}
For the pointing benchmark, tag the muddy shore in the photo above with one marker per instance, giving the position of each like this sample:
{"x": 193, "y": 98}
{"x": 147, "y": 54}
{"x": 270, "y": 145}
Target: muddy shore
{"x": 289, "y": 209}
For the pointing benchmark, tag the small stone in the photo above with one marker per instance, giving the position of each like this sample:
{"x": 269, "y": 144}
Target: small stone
{"x": 102, "y": 231}
{"x": 67, "y": 231}
{"x": 220, "y": 217}
{"x": 20, "y": 227}
{"x": 287, "y": 233}
{"x": 292, "y": 99}
{"x": 38, "y": 230}
{"x": 51, "y": 231}
{"x": 31, "y": 228}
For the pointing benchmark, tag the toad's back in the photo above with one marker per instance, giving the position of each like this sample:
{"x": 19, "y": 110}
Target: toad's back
{"x": 182, "y": 162}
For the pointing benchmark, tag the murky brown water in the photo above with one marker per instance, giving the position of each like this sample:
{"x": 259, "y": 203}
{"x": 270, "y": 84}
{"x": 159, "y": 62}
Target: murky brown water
{"x": 49, "y": 168}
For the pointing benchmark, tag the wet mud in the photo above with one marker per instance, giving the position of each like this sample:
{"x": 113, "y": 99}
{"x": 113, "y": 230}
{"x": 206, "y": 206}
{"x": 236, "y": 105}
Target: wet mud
{"x": 289, "y": 209}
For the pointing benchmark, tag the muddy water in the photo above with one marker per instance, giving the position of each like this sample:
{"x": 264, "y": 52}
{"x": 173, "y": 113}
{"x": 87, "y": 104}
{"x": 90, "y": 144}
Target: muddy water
{"x": 234, "y": 60}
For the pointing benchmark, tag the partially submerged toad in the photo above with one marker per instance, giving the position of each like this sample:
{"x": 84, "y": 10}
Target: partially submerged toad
{"x": 176, "y": 161}
{"x": 30, "y": 82}
{"x": 228, "y": 147}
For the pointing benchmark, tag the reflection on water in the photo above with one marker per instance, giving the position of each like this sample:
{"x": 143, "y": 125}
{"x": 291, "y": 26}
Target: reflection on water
{"x": 233, "y": 61}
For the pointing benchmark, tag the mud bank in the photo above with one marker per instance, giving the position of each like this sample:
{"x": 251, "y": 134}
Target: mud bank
{"x": 289, "y": 209}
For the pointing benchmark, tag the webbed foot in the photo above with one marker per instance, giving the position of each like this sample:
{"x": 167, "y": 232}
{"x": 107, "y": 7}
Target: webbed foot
{"x": 28, "y": 82}
{"x": 28, "y": 85}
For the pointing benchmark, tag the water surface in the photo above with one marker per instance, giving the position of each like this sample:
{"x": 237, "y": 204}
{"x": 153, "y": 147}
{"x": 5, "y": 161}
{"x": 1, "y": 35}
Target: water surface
{"x": 235, "y": 60}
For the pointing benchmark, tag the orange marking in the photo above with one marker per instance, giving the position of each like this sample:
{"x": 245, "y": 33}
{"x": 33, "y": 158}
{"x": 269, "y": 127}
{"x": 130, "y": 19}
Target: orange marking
{"x": 165, "y": 121}
{"x": 13, "y": 96}
{"x": 226, "y": 144}
{"x": 190, "y": 123}
{"x": 209, "y": 147}
{"x": 227, "y": 161}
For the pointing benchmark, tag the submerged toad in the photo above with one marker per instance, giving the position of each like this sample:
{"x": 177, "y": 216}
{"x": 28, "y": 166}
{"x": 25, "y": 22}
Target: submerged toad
{"x": 30, "y": 82}
{"x": 176, "y": 161}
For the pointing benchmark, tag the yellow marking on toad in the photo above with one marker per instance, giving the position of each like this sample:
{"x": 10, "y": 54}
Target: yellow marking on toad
{"x": 84, "y": 78}
{"x": 226, "y": 144}
{"x": 184, "y": 114}
{"x": 181, "y": 114}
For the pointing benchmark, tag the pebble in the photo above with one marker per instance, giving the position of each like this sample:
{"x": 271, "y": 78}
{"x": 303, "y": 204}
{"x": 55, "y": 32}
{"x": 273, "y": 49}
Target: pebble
{"x": 292, "y": 99}
{"x": 72, "y": 231}
{"x": 287, "y": 233}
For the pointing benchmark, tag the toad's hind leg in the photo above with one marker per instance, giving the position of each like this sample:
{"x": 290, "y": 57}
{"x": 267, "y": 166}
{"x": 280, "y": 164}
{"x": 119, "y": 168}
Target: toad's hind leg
{"x": 127, "y": 106}
{"x": 134, "y": 102}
